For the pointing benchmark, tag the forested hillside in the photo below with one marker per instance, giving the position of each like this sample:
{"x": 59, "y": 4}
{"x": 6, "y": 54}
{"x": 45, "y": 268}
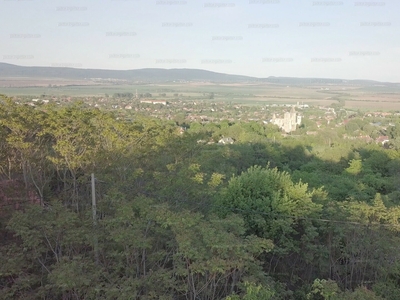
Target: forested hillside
{"x": 267, "y": 217}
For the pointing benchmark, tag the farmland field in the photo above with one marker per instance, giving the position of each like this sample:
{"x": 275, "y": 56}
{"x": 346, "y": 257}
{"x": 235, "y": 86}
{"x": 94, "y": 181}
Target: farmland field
{"x": 359, "y": 97}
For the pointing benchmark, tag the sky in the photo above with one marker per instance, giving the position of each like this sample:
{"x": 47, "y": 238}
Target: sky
{"x": 261, "y": 38}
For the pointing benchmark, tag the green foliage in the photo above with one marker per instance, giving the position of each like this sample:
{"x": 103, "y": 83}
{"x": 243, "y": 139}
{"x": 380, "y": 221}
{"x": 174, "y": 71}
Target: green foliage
{"x": 361, "y": 293}
{"x": 328, "y": 289}
{"x": 185, "y": 247}
{"x": 254, "y": 292}
{"x": 268, "y": 200}
{"x": 394, "y": 131}
{"x": 324, "y": 289}
{"x": 180, "y": 218}
{"x": 49, "y": 237}
{"x": 355, "y": 167}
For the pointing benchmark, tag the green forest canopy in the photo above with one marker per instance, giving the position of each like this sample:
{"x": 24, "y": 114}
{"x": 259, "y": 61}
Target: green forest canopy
{"x": 263, "y": 218}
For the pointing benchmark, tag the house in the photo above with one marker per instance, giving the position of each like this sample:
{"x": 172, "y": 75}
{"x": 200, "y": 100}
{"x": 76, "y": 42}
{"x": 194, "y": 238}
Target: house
{"x": 226, "y": 141}
{"x": 154, "y": 102}
{"x": 160, "y": 102}
{"x": 383, "y": 139}
{"x": 181, "y": 130}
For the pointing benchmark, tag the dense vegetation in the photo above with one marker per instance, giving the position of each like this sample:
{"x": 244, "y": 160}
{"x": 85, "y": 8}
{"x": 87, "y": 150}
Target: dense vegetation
{"x": 177, "y": 218}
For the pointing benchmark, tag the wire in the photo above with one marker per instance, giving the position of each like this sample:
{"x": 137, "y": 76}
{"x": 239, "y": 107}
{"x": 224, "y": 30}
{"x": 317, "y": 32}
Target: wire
{"x": 274, "y": 214}
{"x": 309, "y": 218}
{"x": 278, "y": 214}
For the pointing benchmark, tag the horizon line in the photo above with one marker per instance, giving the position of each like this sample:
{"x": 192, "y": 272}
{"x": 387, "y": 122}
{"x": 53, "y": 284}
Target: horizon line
{"x": 76, "y": 67}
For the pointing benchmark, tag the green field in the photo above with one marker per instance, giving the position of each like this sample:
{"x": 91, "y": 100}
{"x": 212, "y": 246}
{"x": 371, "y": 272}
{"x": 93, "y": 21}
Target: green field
{"x": 369, "y": 97}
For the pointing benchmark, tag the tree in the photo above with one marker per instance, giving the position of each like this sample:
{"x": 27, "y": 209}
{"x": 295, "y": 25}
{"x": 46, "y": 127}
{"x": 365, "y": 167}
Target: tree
{"x": 276, "y": 208}
{"x": 76, "y": 143}
{"x": 48, "y": 239}
{"x": 26, "y": 147}
{"x": 355, "y": 167}
{"x": 394, "y": 131}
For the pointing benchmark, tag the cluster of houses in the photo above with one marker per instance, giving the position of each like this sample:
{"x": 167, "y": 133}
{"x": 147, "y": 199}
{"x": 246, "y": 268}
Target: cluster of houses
{"x": 154, "y": 102}
{"x": 383, "y": 139}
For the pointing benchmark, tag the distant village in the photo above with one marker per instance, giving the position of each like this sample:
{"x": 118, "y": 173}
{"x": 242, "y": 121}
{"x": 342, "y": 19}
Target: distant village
{"x": 290, "y": 118}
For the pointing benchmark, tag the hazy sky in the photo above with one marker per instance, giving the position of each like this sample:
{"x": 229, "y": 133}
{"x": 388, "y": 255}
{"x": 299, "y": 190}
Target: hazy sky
{"x": 328, "y": 39}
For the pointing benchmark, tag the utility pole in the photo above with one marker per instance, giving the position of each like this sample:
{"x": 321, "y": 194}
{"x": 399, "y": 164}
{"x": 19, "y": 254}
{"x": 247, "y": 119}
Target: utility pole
{"x": 94, "y": 213}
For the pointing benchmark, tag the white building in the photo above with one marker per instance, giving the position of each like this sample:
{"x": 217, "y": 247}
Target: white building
{"x": 289, "y": 121}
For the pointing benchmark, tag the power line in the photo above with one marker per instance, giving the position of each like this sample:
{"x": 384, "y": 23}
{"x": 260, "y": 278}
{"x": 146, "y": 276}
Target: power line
{"x": 308, "y": 218}
{"x": 278, "y": 214}
{"x": 236, "y": 210}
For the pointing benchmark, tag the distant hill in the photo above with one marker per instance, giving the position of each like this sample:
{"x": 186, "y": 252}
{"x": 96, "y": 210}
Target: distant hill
{"x": 147, "y": 75}
{"x": 157, "y": 75}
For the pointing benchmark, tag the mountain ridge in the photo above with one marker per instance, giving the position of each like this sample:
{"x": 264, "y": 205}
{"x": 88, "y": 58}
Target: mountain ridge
{"x": 165, "y": 75}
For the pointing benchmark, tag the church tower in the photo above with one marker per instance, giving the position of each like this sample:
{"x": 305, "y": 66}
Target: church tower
{"x": 293, "y": 120}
